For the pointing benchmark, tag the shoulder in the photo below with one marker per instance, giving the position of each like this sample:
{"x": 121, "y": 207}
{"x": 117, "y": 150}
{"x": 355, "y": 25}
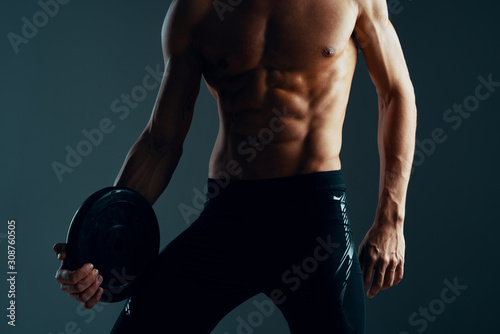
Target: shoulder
{"x": 188, "y": 12}
{"x": 372, "y": 10}
{"x": 181, "y": 21}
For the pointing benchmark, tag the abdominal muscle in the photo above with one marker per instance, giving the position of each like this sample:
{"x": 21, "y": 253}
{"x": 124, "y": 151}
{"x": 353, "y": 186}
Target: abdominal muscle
{"x": 283, "y": 138}
{"x": 275, "y": 122}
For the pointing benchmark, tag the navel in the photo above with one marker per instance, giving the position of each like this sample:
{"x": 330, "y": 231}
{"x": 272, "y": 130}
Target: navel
{"x": 328, "y": 51}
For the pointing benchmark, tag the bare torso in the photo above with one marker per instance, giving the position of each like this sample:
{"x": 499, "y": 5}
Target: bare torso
{"x": 281, "y": 73}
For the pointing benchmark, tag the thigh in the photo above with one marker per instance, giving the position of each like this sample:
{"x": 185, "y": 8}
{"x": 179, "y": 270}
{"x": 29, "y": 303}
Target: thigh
{"x": 183, "y": 308}
{"x": 322, "y": 291}
{"x": 191, "y": 287}
{"x": 321, "y": 306}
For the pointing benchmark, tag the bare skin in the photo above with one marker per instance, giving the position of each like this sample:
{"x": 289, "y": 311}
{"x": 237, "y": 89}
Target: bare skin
{"x": 281, "y": 73}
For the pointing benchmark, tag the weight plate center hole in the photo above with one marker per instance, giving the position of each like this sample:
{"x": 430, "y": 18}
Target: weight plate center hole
{"x": 119, "y": 245}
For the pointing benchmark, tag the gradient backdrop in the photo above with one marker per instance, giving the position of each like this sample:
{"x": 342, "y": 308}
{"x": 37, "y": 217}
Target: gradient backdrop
{"x": 65, "y": 76}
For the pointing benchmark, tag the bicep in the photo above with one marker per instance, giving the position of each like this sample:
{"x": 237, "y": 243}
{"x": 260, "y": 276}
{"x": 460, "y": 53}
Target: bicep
{"x": 180, "y": 85}
{"x": 381, "y": 49}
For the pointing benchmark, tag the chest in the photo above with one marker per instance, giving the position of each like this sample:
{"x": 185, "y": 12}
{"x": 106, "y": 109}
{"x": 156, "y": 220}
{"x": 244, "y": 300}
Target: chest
{"x": 240, "y": 35}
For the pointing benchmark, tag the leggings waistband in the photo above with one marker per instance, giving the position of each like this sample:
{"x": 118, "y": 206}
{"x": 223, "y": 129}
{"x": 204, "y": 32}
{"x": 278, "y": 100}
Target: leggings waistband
{"x": 295, "y": 186}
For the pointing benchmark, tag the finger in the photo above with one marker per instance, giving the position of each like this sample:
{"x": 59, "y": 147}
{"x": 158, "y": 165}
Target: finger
{"x": 378, "y": 280}
{"x": 86, "y": 294}
{"x": 94, "y": 300}
{"x": 60, "y": 250}
{"x": 65, "y": 276}
{"x": 82, "y": 284}
{"x": 389, "y": 277}
{"x": 398, "y": 275}
{"x": 378, "y": 276}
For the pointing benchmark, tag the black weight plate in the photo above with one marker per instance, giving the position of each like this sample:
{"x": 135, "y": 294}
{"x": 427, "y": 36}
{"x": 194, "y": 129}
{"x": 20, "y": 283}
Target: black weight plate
{"x": 116, "y": 229}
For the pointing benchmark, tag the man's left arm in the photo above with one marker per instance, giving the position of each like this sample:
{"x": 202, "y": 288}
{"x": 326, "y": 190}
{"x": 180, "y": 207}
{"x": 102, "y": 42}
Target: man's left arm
{"x": 381, "y": 252}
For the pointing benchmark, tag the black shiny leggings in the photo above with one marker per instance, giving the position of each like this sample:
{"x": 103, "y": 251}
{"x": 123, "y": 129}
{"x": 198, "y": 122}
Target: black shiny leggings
{"x": 287, "y": 237}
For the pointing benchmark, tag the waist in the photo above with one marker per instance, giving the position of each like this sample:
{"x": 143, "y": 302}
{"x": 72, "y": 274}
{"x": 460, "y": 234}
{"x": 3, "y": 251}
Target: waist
{"x": 309, "y": 185}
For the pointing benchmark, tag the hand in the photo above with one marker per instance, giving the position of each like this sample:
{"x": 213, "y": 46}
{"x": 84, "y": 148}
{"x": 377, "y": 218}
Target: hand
{"x": 381, "y": 254}
{"x": 82, "y": 284}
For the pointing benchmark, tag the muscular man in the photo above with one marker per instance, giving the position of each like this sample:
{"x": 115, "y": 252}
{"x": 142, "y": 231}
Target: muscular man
{"x": 276, "y": 220}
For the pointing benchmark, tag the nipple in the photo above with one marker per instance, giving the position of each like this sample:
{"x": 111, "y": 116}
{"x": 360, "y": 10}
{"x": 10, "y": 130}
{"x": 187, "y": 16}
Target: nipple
{"x": 328, "y": 52}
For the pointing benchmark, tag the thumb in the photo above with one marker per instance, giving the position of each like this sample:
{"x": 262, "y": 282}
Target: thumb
{"x": 60, "y": 250}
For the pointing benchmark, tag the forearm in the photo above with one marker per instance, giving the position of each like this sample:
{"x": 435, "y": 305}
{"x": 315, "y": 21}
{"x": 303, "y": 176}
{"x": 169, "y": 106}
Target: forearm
{"x": 396, "y": 141}
{"x": 148, "y": 168}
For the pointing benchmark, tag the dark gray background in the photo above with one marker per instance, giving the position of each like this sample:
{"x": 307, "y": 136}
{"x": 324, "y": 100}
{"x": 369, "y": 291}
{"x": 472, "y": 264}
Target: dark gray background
{"x": 64, "y": 80}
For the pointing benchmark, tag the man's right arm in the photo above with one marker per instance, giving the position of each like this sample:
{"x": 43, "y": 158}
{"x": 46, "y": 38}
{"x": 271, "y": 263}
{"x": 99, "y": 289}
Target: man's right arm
{"x": 151, "y": 161}
{"x": 153, "y": 158}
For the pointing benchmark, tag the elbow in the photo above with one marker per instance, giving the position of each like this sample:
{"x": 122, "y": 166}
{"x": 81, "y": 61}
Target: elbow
{"x": 157, "y": 143}
{"x": 397, "y": 91}
{"x": 400, "y": 98}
